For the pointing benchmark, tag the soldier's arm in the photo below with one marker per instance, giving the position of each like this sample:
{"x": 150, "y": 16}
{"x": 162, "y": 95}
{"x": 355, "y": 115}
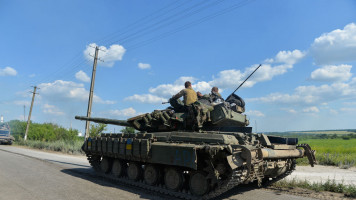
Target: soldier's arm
{"x": 178, "y": 95}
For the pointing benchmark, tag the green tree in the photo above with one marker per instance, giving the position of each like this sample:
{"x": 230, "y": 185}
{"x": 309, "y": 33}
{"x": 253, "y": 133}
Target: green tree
{"x": 18, "y": 128}
{"x": 42, "y": 132}
{"x": 128, "y": 130}
{"x": 97, "y": 129}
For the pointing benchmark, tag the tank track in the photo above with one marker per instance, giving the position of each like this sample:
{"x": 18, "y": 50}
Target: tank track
{"x": 236, "y": 178}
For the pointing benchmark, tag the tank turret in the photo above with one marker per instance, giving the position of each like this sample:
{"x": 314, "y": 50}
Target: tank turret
{"x": 198, "y": 117}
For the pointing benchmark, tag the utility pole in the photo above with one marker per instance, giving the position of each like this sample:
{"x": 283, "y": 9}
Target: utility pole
{"x": 87, "y": 124}
{"x": 29, "y": 115}
{"x": 24, "y": 112}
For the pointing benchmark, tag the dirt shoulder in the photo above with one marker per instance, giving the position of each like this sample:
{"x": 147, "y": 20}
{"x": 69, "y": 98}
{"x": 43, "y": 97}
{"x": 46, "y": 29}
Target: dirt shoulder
{"x": 308, "y": 193}
{"x": 320, "y": 173}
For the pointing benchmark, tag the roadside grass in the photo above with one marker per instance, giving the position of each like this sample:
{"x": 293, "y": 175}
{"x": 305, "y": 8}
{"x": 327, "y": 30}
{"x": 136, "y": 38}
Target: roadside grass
{"x": 335, "y": 152}
{"x": 329, "y": 185}
{"x": 69, "y": 147}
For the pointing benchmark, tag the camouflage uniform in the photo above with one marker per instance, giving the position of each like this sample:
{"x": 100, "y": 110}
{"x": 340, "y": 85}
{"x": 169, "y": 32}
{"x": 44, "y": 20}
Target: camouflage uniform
{"x": 189, "y": 96}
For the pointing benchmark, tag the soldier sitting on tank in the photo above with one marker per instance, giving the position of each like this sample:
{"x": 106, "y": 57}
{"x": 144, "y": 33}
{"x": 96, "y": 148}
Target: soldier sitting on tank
{"x": 189, "y": 97}
{"x": 195, "y": 110}
{"x": 216, "y": 96}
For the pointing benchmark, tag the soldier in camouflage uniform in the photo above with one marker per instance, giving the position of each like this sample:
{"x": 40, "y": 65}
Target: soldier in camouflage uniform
{"x": 215, "y": 91}
{"x": 189, "y": 97}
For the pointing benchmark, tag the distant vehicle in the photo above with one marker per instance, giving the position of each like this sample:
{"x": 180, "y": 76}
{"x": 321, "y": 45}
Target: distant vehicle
{"x": 5, "y": 135}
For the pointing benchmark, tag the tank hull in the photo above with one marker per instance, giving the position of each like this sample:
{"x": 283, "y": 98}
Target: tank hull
{"x": 205, "y": 164}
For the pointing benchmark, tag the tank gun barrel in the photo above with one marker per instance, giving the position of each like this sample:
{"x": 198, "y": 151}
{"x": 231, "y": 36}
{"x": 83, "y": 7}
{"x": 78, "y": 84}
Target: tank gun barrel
{"x": 105, "y": 121}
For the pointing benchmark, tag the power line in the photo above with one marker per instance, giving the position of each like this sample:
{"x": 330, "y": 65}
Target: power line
{"x": 161, "y": 24}
{"x": 186, "y": 26}
{"x": 142, "y": 20}
{"x": 76, "y": 59}
{"x": 180, "y": 15}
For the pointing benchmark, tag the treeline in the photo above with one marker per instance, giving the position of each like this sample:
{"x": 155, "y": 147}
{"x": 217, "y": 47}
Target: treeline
{"x": 52, "y": 132}
{"x": 42, "y": 132}
{"x": 315, "y": 136}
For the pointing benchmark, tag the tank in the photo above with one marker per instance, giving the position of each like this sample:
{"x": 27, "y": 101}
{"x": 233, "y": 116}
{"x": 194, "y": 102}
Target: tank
{"x": 5, "y": 135}
{"x": 198, "y": 152}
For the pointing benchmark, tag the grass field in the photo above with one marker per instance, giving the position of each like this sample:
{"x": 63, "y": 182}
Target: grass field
{"x": 337, "y": 152}
{"x": 342, "y": 132}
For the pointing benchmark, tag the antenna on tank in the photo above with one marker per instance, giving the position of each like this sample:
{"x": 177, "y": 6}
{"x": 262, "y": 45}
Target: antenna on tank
{"x": 245, "y": 80}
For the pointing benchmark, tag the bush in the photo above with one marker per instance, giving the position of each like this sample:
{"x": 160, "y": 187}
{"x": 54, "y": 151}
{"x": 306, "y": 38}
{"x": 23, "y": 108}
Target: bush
{"x": 42, "y": 132}
{"x": 70, "y": 147}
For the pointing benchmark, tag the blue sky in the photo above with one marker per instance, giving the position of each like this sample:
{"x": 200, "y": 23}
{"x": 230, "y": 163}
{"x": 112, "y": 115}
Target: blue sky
{"x": 307, "y": 50}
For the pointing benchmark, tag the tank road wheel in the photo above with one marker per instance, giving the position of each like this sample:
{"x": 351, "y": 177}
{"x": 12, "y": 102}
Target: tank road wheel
{"x": 198, "y": 184}
{"x": 94, "y": 161}
{"x": 151, "y": 174}
{"x": 134, "y": 171}
{"x": 173, "y": 179}
{"x": 118, "y": 167}
{"x": 105, "y": 165}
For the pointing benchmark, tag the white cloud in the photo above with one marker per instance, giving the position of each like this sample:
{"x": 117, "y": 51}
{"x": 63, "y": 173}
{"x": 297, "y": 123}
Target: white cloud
{"x": 82, "y": 76}
{"x": 312, "y": 95}
{"x": 168, "y": 90}
{"x": 333, "y": 111}
{"x": 127, "y": 112}
{"x": 255, "y": 113}
{"x": 349, "y": 103}
{"x": 144, "y": 66}
{"x": 312, "y": 109}
{"x": 181, "y": 80}
{"x": 336, "y": 46}
{"x": 332, "y": 73}
{"x": 61, "y": 90}
{"x": 110, "y": 55}
{"x": 289, "y": 57}
{"x": 8, "y": 71}
{"x": 283, "y": 61}
{"x": 22, "y": 103}
{"x": 226, "y": 79}
{"x": 146, "y": 98}
{"x": 203, "y": 87}
{"x": 52, "y": 110}
{"x": 292, "y": 111}
{"x": 348, "y": 110}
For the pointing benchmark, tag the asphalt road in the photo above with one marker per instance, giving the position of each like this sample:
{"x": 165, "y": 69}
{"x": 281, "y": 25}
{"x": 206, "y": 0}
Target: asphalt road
{"x": 36, "y": 175}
